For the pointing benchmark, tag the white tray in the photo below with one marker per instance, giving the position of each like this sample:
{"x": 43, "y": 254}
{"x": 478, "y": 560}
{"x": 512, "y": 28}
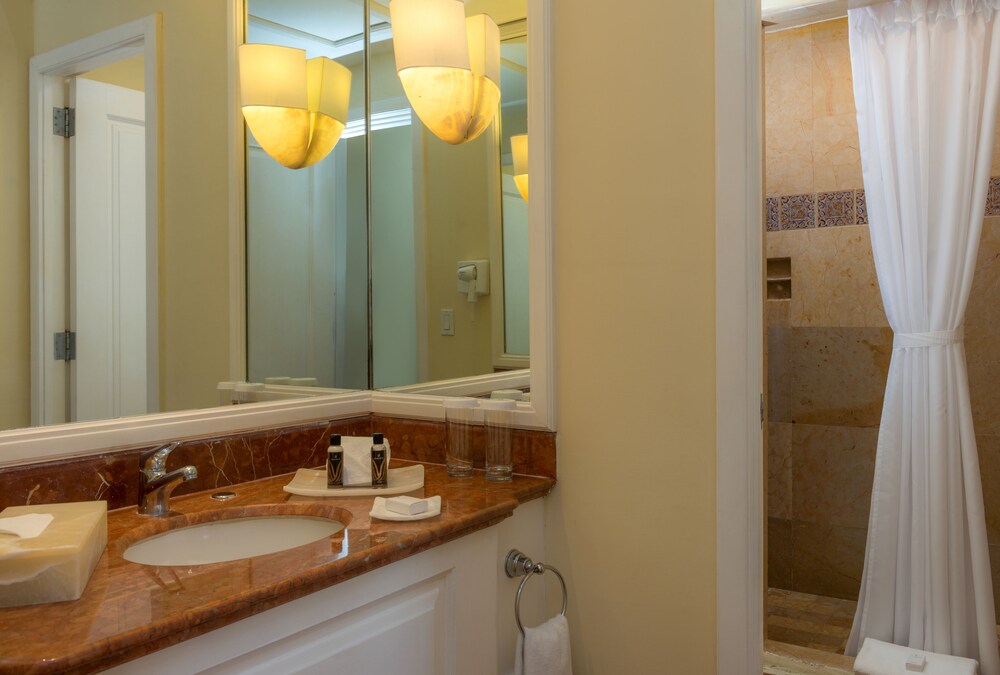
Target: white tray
{"x": 379, "y": 511}
{"x": 312, "y": 483}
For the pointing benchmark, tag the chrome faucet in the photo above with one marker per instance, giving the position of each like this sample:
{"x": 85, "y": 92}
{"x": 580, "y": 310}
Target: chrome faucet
{"x": 155, "y": 484}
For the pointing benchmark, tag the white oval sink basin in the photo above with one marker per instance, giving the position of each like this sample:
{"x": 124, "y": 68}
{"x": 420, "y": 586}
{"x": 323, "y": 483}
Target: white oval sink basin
{"x": 233, "y": 539}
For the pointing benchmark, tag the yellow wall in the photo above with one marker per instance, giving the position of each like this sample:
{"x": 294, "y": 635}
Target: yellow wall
{"x": 128, "y": 73}
{"x": 457, "y": 194}
{"x": 633, "y": 191}
{"x": 15, "y": 49}
{"x": 194, "y": 244}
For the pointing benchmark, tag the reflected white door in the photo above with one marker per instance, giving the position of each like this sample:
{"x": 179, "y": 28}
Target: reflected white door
{"x": 108, "y": 270}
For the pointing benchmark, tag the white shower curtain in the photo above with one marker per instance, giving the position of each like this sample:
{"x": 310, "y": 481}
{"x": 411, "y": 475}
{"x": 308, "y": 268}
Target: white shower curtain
{"x": 926, "y": 81}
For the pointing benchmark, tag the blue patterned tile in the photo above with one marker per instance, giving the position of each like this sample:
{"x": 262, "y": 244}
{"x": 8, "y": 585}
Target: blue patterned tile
{"x": 993, "y": 197}
{"x": 771, "y": 221}
{"x": 861, "y": 206}
{"x": 835, "y": 209}
{"x": 798, "y": 211}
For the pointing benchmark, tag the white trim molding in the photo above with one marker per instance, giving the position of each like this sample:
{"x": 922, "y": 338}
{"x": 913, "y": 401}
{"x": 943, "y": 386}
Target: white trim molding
{"x": 236, "y": 27}
{"x": 739, "y": 338}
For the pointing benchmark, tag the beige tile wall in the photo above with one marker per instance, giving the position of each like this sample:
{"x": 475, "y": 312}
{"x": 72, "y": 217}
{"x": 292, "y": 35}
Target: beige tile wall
{"x": 828, "y": 358}
{"x": 829, "y": 345}
{"x": 811, "y": 127}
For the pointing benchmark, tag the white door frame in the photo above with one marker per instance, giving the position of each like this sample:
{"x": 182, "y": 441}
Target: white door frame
{"x": 739, "y": 338}
{"x": 48, "y": 198}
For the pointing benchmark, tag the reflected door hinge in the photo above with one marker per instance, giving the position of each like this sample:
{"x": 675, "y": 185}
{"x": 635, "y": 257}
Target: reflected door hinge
{"x": 64, "y": 122}
{"x": 762, "y": 411}
{"x": 65, "y": 346}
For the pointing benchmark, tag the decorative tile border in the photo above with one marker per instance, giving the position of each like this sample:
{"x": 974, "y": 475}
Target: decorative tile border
{"x": 862, "y": 207}
{"x": 993, "y": 197}
{"x": 823, "y": 209}
{"x": 797, "y": 212}
{"x": 836, "y": 209}
{"x": 772, "y": 214}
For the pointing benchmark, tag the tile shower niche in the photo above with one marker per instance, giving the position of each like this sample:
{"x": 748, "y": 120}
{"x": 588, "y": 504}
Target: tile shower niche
{"x": 779, "y": 278}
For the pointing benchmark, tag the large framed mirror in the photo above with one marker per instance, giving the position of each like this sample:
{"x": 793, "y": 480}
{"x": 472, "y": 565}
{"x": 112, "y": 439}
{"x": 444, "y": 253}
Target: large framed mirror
{"x": 202, "y": 319}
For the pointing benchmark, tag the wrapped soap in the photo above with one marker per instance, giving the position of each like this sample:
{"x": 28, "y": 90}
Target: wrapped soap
{"x": 408, "y": 506}
{"x": 56, "y": 564}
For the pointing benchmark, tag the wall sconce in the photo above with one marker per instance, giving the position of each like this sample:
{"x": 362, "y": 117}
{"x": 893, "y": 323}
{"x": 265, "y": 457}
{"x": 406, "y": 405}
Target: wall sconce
{"x": 519, "y": 151}
{"x": 449, "y": 66}
{"x": 296, "y": 109}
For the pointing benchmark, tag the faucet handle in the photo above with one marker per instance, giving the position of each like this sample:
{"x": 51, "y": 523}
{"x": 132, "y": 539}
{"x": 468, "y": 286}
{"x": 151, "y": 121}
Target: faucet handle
{"x": 154, "y": 462}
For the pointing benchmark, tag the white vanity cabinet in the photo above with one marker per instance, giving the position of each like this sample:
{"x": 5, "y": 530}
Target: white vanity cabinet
{"x": 445, "y": 611}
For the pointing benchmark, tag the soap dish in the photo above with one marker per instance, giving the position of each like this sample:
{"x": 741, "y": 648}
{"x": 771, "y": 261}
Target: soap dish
{"x": 382, "y": 513}
{"x": 312, "y": 483}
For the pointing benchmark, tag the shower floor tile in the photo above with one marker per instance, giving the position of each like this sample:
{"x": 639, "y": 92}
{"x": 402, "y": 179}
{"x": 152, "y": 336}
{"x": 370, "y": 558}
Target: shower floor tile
{"x": 806, "y": 620}
{"x": 806, "y": 634}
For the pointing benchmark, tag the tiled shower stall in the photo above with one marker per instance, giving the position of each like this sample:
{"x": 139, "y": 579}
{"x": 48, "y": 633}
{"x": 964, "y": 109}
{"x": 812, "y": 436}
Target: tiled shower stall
{"x": 828, "y": 340}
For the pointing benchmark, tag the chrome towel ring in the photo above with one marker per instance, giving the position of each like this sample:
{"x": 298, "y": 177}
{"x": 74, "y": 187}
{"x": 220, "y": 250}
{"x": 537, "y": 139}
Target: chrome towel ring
{"x": 516, "y": 564}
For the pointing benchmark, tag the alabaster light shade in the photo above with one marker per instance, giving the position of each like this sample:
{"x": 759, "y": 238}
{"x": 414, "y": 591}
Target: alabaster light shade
{"x": 449, "y": 66}
{"x": 296, "y": 109}
{"x": 519, "y": 151}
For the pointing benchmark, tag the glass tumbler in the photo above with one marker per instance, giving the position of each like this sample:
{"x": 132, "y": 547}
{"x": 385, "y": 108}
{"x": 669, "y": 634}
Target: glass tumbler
{"x": 498, "y": 415}
{"x": 461, "y": 420}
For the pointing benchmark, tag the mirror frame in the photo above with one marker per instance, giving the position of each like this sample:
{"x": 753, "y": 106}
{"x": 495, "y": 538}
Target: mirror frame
{"x": 37, "y": 444}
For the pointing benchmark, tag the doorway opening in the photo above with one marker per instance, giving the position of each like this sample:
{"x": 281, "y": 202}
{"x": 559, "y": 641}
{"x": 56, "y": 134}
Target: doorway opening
{"x": 94, "y": 226}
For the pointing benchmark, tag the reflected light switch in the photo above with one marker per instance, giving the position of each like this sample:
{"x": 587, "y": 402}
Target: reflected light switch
{"x": 447, "y": 322}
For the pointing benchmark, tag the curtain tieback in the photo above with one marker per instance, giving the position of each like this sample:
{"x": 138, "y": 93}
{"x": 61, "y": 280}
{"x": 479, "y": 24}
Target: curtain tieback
{"x": 934, "y": 338}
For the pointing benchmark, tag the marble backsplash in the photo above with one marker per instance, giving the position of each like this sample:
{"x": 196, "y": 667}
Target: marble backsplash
{"x": 237, "y": 458}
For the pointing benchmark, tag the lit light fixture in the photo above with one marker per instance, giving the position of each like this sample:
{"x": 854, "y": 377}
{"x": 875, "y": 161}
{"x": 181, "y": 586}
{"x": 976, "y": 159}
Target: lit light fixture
{"x": 449, "y": 66}
{"x": 296, "y": 109}
{"x": 519, "y": 151}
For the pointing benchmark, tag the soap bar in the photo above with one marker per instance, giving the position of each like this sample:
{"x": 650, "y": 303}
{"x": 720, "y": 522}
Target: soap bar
{"x": 409, "y": 506}
{"x": 57, "y": 564}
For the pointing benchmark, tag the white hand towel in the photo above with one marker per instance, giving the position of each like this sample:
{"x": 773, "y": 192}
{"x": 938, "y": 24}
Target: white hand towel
{"x": 544, "y": 650}
{"x": 882, "y": 658}
{"x": 358, "y": 459}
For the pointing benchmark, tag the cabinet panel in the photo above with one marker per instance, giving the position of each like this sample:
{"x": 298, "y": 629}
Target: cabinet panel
{"x": 406, "y": 629}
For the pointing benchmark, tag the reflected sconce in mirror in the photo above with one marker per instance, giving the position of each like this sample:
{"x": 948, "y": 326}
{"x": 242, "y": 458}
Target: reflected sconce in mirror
{"x": 519, "y": 151}
{"x": 296, "y": 109}
{"x": 449, "y": 66}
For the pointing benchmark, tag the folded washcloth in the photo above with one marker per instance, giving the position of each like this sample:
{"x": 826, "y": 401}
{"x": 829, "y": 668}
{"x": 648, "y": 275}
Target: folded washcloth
{"x": 882, "y": 658}
{"x": 27, "y": 526}
{"x": 358, "y": 459}
{"x": 544, "y": 650}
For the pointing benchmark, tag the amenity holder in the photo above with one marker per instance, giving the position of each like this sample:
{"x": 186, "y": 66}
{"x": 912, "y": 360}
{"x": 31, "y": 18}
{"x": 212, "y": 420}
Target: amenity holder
{"x": 516, "y": 564}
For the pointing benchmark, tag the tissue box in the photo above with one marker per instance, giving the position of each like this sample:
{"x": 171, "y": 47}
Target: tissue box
{"x": 57, "y": 564}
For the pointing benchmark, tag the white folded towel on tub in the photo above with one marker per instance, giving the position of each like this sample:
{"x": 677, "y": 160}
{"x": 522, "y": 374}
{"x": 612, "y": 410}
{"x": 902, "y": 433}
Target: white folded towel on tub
{"x": 544, "y": 650}
{"x": 882, "y": 658}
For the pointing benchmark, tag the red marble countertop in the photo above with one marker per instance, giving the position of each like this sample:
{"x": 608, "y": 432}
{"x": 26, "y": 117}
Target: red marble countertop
{"x": 129, "y": 610}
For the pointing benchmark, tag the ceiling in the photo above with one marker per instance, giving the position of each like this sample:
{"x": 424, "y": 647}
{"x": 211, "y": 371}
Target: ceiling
{"x": 784, "y": 14}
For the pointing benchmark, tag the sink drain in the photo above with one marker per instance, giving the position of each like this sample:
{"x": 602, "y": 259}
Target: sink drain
{"x": 223, "y": 496}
